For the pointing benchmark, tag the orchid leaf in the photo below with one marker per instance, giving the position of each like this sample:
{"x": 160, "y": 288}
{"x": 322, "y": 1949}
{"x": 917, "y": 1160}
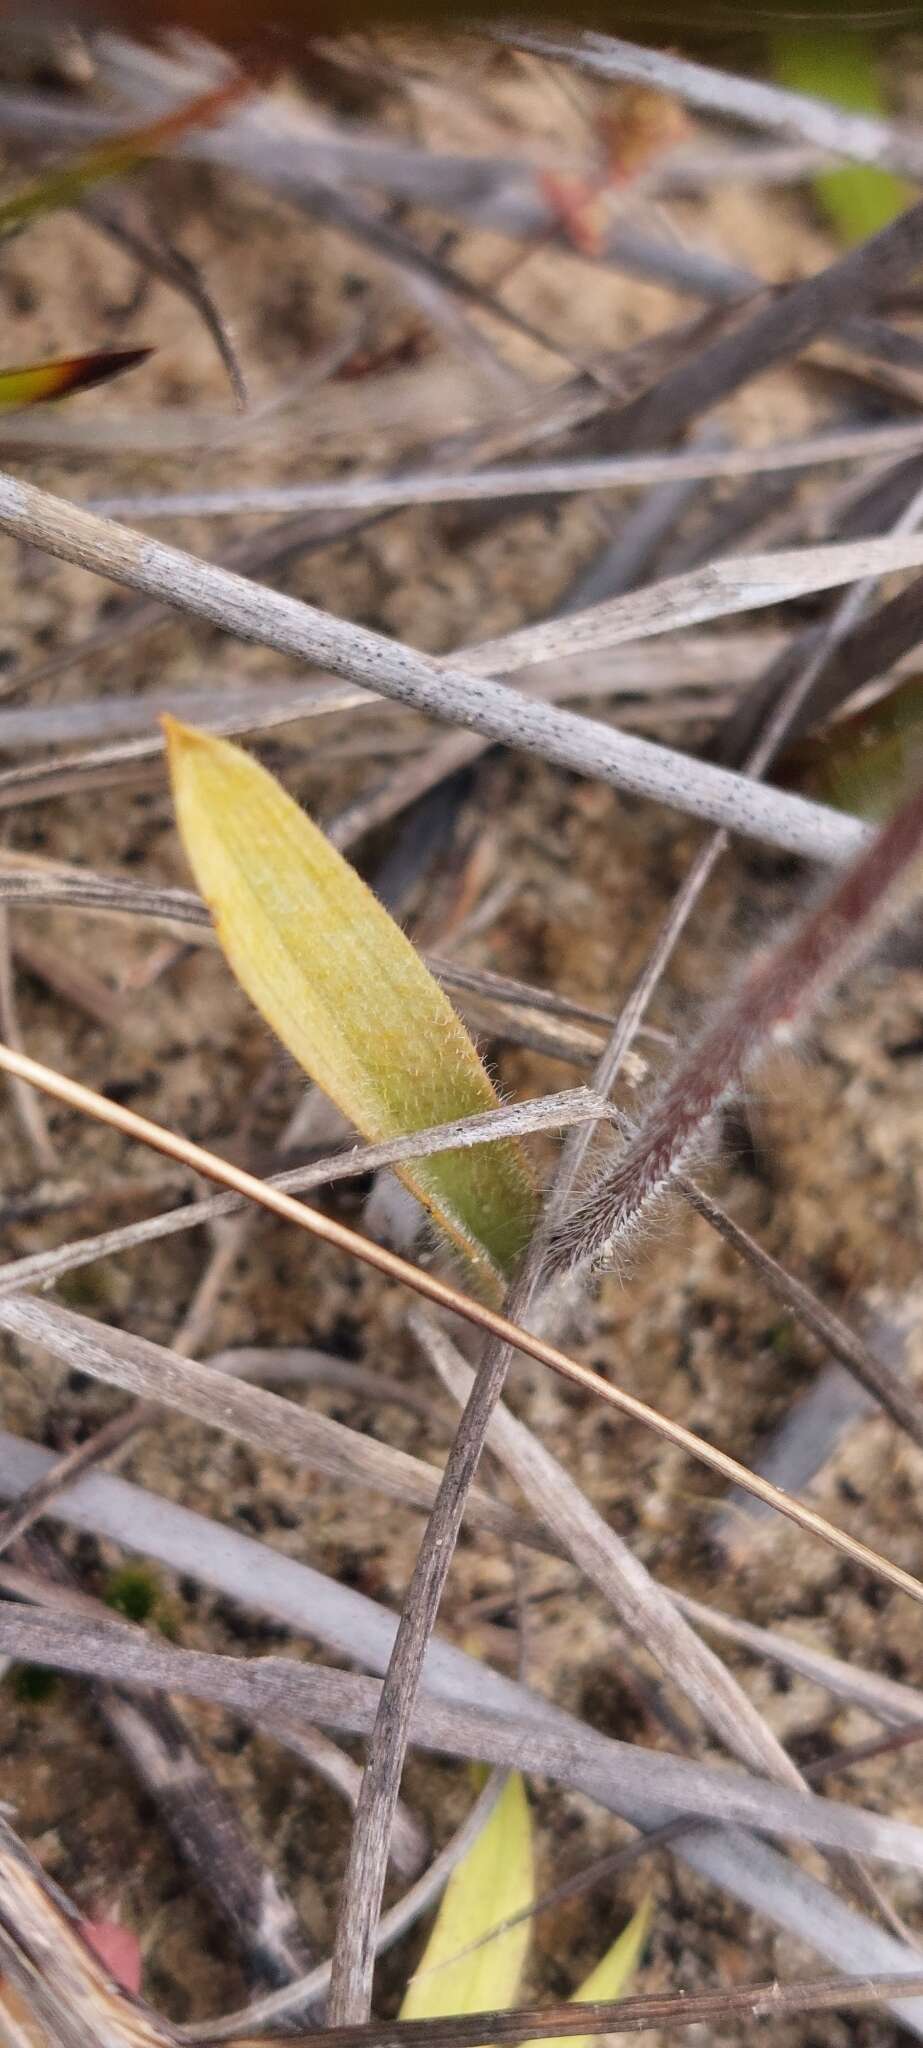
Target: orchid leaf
{"x": 491, "y": 1884}
{"x": 345, "y": 991}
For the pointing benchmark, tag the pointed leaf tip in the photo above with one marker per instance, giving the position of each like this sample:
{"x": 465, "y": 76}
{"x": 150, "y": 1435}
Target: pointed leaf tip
{"x": 612, "y": 1977}
{"x": 344, "y": 989}
{"x": 37, "y": 383}
{"x": 178, "y": 735}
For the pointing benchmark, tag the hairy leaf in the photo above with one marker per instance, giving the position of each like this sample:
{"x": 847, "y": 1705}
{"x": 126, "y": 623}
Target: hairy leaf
{"x": 344, "y": 990}
{"x": 494, "y": 1881}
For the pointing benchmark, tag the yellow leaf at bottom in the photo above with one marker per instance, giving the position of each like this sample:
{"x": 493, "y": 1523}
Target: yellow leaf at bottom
{"x": 492, "y": 1883}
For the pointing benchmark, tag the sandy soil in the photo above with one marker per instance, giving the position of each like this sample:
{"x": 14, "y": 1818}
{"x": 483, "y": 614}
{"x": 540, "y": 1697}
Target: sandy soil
{"x": 831, "y": 1180}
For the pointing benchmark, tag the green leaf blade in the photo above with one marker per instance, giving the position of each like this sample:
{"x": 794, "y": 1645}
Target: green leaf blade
{"x": 345, "y": 991}
{"x": 838, "y": 63}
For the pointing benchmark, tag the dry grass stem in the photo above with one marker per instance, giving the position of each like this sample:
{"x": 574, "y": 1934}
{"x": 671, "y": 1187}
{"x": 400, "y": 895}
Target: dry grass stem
{"x": 253, "y": 612}
{"x": 428, "y": 1285}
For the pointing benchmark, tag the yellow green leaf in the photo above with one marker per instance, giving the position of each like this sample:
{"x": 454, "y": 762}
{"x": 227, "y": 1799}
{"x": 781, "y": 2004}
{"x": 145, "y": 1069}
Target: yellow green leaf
{"x": 36, "y": 383}
{"x": 837, "y": 62}
{"x": 345, "y": 991}
{"x": 117, "y": 155}
{"x": 492, "y": 1883}
{"x": 612, "y": 1977}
